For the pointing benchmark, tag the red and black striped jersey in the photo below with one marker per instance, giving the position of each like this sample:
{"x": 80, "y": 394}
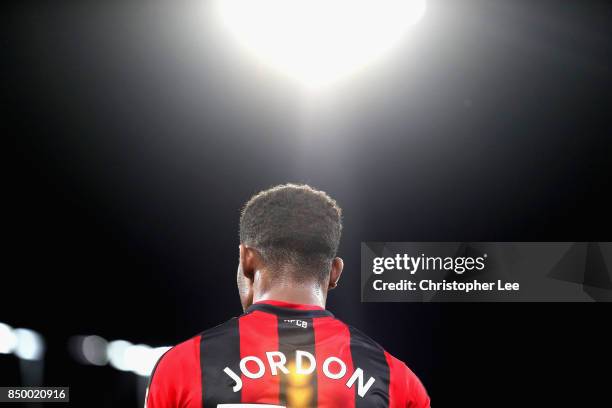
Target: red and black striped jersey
{"x": 279, "y": 354}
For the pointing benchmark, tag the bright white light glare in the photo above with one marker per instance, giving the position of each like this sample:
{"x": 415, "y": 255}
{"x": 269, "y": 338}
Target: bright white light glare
{"x": 116, "y": 354}
{"x": 30, "y": 345}
{"x": 139, "y": 359}
{"x": 8, "y": 339}
{"x": 93, "y": 349}
{"x": 318, "y": 41}
{"x": 136, "y": 358}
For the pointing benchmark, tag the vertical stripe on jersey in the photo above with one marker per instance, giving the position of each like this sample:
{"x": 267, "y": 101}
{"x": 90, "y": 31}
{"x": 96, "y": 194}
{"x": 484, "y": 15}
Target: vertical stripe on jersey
{"x": 258, "y": 334}
{"x": 370, "y": 357}
{"x": 219, "y": 348}
{"x": 397, "y": 385}
{"x": 296, "y": 333}
{"x": 332, "y": 339}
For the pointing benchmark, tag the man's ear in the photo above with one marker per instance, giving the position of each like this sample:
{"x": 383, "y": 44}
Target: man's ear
{"x": 336, "y": 271}
{"x": 249, "y": 261}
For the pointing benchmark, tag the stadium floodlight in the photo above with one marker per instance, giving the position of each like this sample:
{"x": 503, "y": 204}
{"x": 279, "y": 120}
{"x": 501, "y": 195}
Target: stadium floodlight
{"x": 30, "y": 345}
{"x": 94, "y": 350}
{"x": 8, "y": 339}
{"x": 318, "y": 41}
{"x": 141, "y": 359}
{"x": 137, "y": 358}
{"x": 116, "y": 354}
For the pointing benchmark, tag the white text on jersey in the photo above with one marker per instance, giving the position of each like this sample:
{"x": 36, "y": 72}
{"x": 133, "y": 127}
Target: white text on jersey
{"x": 333, "y": 368}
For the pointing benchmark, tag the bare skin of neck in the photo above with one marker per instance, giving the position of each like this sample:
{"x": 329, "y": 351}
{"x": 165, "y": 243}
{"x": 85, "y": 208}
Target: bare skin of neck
{"x": 309, "y": 293}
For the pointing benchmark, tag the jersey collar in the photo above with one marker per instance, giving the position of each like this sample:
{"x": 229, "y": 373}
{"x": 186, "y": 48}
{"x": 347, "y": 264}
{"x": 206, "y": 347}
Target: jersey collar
{"x": 289, "y": 309}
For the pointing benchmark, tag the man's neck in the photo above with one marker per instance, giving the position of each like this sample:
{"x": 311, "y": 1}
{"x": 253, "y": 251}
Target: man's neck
{"x": 301, "y": 294}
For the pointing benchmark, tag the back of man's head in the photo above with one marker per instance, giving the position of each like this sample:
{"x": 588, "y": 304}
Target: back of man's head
{"x": 295, "y": 228}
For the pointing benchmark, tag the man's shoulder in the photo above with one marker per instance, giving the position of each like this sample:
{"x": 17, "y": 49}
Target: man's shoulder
{"x": 190, "y": 348}
{"x": 180, "y": 355}
{"x": 176, "y": 376}
{"x": 362, "y": 343}
{"x": 404, "y": 385}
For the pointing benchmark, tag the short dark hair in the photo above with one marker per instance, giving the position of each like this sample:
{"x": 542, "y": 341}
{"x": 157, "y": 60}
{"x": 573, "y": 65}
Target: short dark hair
{"x": 293, "y": 225}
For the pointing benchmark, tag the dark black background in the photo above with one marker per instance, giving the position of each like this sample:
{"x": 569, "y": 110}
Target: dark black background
{"x": 134, "y": 140}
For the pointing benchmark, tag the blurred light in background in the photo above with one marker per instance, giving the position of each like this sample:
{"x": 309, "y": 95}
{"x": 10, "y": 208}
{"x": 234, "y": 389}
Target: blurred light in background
{"x": 94, "y": 350}
{"x": 116, "y": 354}
{"x": 89, "y": 350}
{"x": 318, "y": 41}
{"x": 141, "y": 359}
{"x": 121, "y": 354}
{"x": 8, "y": 340}
{"x": 24, "y": 343}
{"x": 30, "y": 344}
